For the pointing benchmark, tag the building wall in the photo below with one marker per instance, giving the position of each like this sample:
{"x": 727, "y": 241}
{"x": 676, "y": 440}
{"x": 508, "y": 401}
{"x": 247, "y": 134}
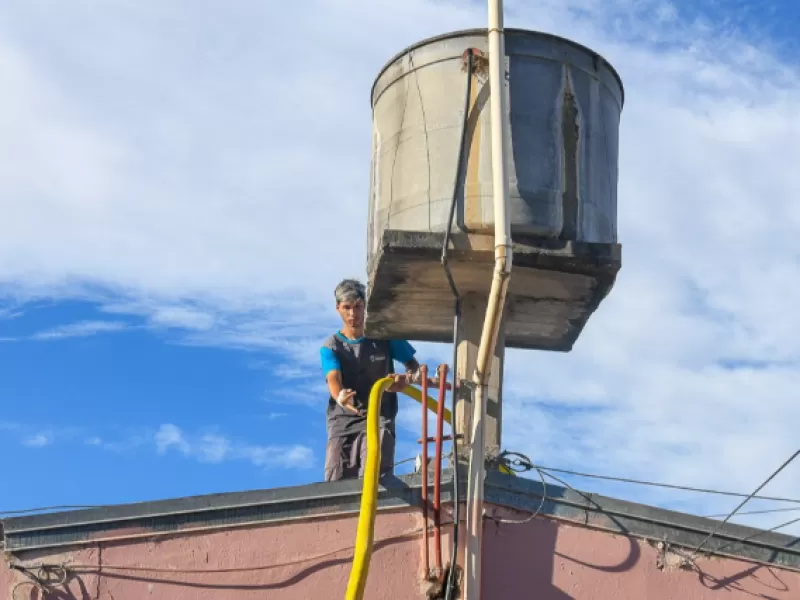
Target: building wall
{"x": 542, "y": 560}
{"x": 292, "y": 561}
{"x": 547, "y": 560}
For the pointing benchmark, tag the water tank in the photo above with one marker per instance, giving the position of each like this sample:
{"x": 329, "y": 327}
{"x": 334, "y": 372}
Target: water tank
{"x": 564, "y": 106}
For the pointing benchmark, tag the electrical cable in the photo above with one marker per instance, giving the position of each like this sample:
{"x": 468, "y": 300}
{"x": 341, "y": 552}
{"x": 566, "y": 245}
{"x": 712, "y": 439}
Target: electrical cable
{"x": 451, "y": 576}
{"x": 27, "y": 511}
{"x": 526, "y": 465}
{"x": 89, "y": 568}
{"x": 404, "y": 461}
{"x": 757, "y": 534}
{"x": 667, "y": 485}
{"x": 743, "y": 502}
{"x": 414, "y": 70}
{"x": 691, "y": 559}
{"x": 42, "y": 509}
{"x": 755, "y": 512}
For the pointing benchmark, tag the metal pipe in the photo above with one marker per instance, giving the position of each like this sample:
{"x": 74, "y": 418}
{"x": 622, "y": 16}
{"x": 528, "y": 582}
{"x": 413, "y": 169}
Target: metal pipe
{"x": 445, "y": 438}
{"x": 496, "y": 303}
{"x": 426, "y": 547}
{"x": 437, "y": 481}
{"x": 432, "y": 404}
{"x": 369, "y": 495}
{"x": 451, "y": 576}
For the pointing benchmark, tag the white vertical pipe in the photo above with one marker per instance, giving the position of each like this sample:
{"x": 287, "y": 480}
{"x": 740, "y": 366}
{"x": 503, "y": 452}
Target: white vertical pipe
{"x": 500, "y": 136}
{"x": 496, "y": 303}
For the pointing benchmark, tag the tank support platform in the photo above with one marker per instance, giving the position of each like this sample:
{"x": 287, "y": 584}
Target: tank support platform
{"x": 555, "y": 287}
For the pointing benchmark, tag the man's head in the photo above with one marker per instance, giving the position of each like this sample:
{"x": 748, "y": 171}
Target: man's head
{"x": 350, "y": 298}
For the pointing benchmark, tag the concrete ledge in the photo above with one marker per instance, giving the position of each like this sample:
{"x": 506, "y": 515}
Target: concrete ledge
{"x": 324, "y": 500}
{"x": 203, "y": 513}
{"x": 555, "y": 286}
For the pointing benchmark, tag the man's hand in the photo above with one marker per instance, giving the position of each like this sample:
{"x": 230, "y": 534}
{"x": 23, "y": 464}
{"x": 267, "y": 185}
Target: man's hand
{"x": 400, "y": 382}
{"x": 415, "y": 378}
{"x": 345, "y": 400}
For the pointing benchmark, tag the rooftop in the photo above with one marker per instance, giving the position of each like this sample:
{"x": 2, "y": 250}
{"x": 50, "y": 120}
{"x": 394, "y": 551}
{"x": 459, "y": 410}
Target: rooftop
{"x": 240, "y": 509}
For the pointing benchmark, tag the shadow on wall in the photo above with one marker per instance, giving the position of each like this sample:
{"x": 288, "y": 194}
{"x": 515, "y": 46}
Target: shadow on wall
{"x": 771, "y": 582}
{"x": 520, "y": 561}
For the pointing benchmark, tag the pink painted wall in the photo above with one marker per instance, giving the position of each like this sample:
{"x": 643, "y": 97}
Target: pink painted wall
{"x": 547, "y": 560}
{"x": 542, "y": 559}
{"x": 292, "y": 561}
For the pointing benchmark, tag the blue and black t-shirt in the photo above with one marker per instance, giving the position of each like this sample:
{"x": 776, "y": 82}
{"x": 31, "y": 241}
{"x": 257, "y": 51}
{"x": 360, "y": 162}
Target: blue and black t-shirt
{"x": 362, "y": 362}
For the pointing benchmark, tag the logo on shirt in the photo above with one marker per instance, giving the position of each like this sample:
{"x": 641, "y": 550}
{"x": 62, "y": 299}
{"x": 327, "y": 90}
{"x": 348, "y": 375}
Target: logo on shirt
{"x": 376, "y": 357}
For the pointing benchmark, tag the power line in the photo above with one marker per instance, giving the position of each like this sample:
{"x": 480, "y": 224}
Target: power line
{"x": 45, "y": 509}
{"x": 743, "y": 502}
{"x": 757, "y": 534}
{"x": 755, "y": 512}
{"x": 691, "y": 559}
{"x": 524, "y": 464}
{"x": 27, "y": 511}
{"x": 668, "y": 485}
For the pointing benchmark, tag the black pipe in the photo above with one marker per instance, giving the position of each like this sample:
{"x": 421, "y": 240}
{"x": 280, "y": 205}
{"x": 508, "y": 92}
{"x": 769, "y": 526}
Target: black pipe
{"x": 451, "y": 577}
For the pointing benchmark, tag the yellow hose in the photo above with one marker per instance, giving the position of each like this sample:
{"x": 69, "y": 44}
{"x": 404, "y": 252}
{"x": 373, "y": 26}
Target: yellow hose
{"x": 433, "y": 405}
{"x": 369, "y": 494}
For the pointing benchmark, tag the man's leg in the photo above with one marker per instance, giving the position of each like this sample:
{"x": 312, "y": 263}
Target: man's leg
{"x": 387, "y": 452}
{"x": 334, "y": 455}
{"x": 340, "y": 458}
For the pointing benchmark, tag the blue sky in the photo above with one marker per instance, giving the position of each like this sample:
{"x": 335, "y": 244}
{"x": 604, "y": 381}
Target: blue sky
{"x": 170, "y": 176}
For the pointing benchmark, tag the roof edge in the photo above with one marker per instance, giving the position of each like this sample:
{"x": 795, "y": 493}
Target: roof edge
{"x": 324, "y": 500}
{"x": 646, "y": 522}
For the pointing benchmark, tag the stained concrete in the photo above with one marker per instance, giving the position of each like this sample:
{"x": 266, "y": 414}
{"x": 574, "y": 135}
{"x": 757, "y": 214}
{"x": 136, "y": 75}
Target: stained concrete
{"x": 555, "y": 286}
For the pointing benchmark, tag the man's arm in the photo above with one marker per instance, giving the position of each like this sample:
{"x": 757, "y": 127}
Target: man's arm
{"x": 333, "y": 377}
{"x": 403, "y": 352}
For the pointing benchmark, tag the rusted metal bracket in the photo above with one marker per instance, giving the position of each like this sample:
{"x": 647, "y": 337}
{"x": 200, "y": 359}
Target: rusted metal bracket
{"x": 480, "y": 62}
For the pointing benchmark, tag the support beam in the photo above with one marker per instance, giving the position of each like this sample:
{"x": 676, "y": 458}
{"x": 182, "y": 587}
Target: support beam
{"x": 473, "y": 311}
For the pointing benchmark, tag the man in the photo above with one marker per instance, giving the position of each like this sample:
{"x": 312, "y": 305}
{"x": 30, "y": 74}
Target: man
{"x": 352, "y": 364}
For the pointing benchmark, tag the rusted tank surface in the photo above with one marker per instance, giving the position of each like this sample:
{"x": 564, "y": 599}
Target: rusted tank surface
{"x": 564, "y": 112}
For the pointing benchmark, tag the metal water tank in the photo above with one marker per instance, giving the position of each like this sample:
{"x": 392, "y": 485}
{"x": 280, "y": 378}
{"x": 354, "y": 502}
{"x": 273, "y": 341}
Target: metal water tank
{"x": 564, "y": 112}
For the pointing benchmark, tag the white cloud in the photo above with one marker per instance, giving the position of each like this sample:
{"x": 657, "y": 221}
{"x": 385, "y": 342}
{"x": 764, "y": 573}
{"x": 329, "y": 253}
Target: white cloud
{"x": 40, "y": 440}
{"x": 285, "y": 371}
{"x": 214, "y": 202}
{"x": 215, "y": 449}
{"x": 39, "y": 435}
{"x": 296, "y": 456}
{"x": 170, "y": 436}
{"x": 165, "y": 314}
{"x": 80, "y": 329}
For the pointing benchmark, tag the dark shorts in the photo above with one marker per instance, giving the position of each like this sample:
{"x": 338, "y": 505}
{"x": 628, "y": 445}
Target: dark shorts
{"x": 346, "y": 456}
